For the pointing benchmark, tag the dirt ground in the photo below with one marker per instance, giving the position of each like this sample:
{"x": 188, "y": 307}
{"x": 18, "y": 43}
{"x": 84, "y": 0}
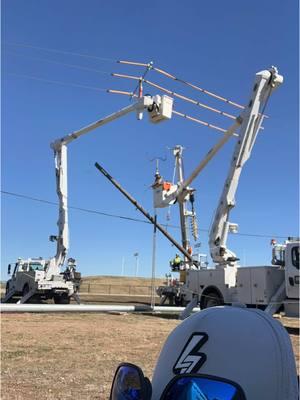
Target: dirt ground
{"x": 66, "y": 356}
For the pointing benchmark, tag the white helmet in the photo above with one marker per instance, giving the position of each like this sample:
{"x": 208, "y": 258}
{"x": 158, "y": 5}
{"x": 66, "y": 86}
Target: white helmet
{"x": 244, "y": 346}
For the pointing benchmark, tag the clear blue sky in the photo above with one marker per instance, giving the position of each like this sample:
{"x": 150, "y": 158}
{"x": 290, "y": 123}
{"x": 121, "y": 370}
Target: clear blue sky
{"x": 219, "y": 45}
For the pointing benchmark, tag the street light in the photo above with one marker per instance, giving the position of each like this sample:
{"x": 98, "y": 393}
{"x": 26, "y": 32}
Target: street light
{"x": 136, "y": 255}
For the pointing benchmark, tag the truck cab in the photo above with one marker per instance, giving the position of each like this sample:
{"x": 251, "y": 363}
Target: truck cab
{"x": 25, "y": 273}
{"x": 287, "y": 256}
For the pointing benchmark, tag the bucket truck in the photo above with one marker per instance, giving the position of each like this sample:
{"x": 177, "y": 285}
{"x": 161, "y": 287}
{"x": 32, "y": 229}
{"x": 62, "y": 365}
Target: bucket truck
{"x": 40, "y": 278}
{"x": 269, "y": 287}
{"x": 43, "y": 278}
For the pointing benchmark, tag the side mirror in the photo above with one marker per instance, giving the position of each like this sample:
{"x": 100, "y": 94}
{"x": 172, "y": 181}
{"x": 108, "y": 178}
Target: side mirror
{"x": 130, "y": 383}
{"x": 8, "y": 269}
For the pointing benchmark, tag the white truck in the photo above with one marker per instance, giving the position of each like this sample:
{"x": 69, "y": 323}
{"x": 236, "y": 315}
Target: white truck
{"x": 29, "y": 279}
{"x": 270, "y": 287}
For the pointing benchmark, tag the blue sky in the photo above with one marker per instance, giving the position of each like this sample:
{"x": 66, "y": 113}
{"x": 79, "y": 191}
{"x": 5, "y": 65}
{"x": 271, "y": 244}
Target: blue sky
{"x": 217, "y": 45}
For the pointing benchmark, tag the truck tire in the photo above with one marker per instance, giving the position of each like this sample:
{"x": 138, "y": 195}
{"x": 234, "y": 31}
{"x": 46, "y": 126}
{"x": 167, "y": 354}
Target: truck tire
{"x": 61, "y": 299}
{"x": 180, "y": 301}
{"x": 25, "y": 289}
{"x": 171, "y": 300}
{"x": 211, "y": 299}
{"x": 6, "y": 288}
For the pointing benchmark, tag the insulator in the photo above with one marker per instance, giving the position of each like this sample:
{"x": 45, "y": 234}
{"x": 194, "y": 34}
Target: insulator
{"x": 194, "y": 226}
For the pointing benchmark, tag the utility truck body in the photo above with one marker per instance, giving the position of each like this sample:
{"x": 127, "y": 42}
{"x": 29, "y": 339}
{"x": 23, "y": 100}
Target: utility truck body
{"x": 267, "y": 287}
{"x": 30, "y": 278}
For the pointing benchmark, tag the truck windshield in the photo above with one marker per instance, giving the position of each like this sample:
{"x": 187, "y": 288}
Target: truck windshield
{"x": 295, "y": 256}
{"x": 36, "y": 267}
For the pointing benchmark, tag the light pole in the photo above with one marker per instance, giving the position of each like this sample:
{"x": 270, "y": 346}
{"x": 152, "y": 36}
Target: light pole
{"x": 136, "y": 255}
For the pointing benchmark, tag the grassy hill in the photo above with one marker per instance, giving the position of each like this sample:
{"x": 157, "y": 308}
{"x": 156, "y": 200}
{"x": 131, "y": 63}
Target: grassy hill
{"x": 120, "y": 280}
{"x": 114, "y": 285}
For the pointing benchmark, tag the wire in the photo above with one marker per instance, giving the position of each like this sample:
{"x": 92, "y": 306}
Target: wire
{"x": 179, "y": 96}
{"x": 190, "y": 118}
{"x": 199, "y": 121}
{"x": 57, "y": 82}
{"x": 167, "y": 74}
{"x": 53, "y": 203}
{"x": 61, "y": 63}
{"x": 128, "y": 218}
{"x": 216, "y": 96}
{"x": 189, "y": 100}
{"x": 59, "y": 51}
{"x": 199, "y": 88}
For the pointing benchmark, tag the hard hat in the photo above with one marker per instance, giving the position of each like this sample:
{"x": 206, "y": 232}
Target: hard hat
{"x": 244, "y": 346}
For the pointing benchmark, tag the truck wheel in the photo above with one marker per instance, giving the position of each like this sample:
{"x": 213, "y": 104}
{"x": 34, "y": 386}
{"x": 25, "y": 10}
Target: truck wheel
{"x": 179, "y": 301}
{"x": 25, "y": 290}
{"x": 6, "y": 288}
{"x": 61, "y": 299}
{"x": 211, "y": 299}
{"x": 171, "y": 300}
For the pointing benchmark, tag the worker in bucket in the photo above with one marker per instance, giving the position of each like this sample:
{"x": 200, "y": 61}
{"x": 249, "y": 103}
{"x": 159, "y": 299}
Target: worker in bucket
{"x": 221, "y": 353}
{"x": 175, "y": 263}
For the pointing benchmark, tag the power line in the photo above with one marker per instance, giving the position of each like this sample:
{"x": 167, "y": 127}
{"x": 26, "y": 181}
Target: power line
{"x": 167, "y": 74}
{"x": 53, "y": 203}
{"x": 25, "y": 45}
{"x": 128, "y": 218}
{"x": 188, "y": 117}
{"x": 178, "y": 95}
{"x": 61, "y": 63}
{"x": 58, "y": 82}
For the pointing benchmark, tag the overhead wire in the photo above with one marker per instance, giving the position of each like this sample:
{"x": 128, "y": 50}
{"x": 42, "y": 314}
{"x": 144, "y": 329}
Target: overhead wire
{"x": 25, "y": 45}
{"x": 159, "y": 70}
{"x": 167, "y": 74}
{"x": 148, "y": 66}
{"x": 126, "y": 93}
{"x": 198, "y": 88}
{"x": 125, "y": 217}
{"x": 78, "y": 208}
{"x": 216, "y": 96}
{"x": 190, "y": 118}
{"x": 57, "y": 82}
{"x": 199, "y": 121}
{"x": 60, "y": 63}
{"x": 189, "y": 100}
{"x": 178, "y": 95}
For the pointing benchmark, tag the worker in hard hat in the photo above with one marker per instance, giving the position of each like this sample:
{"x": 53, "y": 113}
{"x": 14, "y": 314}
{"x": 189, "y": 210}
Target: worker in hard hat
{"x": 220, "y": 353}
{"x": 175, "y": 263}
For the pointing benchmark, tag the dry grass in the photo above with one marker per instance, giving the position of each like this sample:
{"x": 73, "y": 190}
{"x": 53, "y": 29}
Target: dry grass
{"x": 66, "y": 356}
{"x": 117, "y": 289}
{"x": 121, "y": 280}
{"x": 74, "y": 356}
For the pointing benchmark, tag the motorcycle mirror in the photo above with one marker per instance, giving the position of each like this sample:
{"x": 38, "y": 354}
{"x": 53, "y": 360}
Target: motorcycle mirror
{"x": 130, "y": 383}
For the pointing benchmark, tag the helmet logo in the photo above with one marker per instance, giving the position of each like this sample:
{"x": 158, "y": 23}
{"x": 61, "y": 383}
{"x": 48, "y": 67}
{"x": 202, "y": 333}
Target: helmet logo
{"x": 190, "y": 359}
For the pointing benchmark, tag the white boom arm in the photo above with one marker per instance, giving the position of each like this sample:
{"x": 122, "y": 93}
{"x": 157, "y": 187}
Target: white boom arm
{"x": 59, "y": 146}
{"x": 251, "y": 118}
